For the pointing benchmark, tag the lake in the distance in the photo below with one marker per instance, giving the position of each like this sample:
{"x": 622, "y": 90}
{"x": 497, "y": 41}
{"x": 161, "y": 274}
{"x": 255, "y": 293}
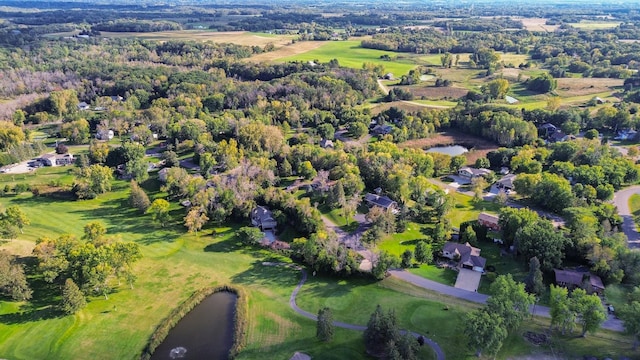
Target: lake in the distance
{"x": 206, "y": 332}
{"x": 453, "y": 150}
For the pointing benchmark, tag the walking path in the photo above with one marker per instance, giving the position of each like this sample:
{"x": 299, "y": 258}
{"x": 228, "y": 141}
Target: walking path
{"x": 621, "y": 201}
{"x": 292, "y": 302}
{"x": 538, "y": 310}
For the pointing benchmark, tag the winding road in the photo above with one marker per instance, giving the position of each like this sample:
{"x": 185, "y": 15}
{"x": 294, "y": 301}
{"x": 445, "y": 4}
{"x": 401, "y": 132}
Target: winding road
{"x": 621, "y": 201}
{"x": 292, "y": 302}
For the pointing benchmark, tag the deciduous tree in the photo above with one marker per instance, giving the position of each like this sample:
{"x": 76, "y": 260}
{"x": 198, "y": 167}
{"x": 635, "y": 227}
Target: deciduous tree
{"x": 159, "y": 211}
{"x": 484, "y": 331}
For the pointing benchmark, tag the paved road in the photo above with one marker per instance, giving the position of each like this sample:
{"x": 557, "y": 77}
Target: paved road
{"x": 292, "y": 302}
{"x": 538, "y": 310}
{"x": 621, "y": 201}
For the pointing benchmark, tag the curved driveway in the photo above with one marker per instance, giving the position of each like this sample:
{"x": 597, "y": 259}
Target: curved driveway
{"x": 292, "y": 302}
{"x": 621, "y": 201}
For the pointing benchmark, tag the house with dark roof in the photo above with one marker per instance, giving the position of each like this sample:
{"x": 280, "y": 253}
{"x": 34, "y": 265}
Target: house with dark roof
{"x": 468, "y": 257}
{"x": 545, "y": 130}
{"x": 572, "y": 279}
{"x": 382, "y": 129}
{"x": 262, "y": 217}
{"x": 471, "y": 173}
{"x": 374, "y": 200}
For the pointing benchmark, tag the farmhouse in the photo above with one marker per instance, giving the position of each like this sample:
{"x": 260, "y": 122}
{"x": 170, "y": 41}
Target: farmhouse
{"x": 262, "y": 217}
{"x": 471, "y": 173}
{"x": 468, "y": 257}
{"x": 57, "y": 159}
{"x": 490, "y": 221}
{"x": 384, "y": 202}
{"x": 572, "y": 279}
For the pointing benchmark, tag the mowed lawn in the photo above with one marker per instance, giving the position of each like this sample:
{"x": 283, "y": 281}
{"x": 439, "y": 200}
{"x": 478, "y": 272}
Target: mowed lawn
{"x": 351, "y": 54}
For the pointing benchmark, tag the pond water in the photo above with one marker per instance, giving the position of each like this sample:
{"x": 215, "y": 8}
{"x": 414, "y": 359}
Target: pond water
{"x": 452, "y": 150}
{"x": 206, "y": 332}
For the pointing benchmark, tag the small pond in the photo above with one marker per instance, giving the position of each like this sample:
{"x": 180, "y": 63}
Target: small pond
{"x": 452, "y": 150}
{"x": 206, "y": 332}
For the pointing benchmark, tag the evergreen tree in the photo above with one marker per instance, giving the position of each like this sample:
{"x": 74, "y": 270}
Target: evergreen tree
{"x": 533, "y": 281}
{"x": 72, "y": 298}
{"x": 423, "y": 252}
{"x": 324, "y": 330}
{"x": 407, "y": 257}
{"x": 138, "y": 198}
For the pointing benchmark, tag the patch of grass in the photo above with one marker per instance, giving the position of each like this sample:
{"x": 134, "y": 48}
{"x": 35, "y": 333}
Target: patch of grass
{"x": 351, "y": 54}
{"x": 442, "y": 275}
{"x": 466, "y": 208}
{"x": 616, "y": 295}
{"x": 398, "y": 243}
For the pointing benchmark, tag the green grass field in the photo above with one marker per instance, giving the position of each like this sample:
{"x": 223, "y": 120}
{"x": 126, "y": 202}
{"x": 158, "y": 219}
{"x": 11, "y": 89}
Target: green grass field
{"x": 350, "y": 54}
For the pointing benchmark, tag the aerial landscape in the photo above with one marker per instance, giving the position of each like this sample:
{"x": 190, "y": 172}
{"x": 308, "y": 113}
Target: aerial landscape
{"x": 319, "y": 180}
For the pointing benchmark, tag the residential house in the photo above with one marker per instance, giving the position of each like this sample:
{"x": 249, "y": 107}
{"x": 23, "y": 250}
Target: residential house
{"x": 262, "y": 217}
{"x": 382, "y": 129}
{"x": 471, "y": 173}
{"x": 324, "y": 143}
{"x": 506, "y": 183}
{"x": 83, "y": 106}
{"x": 490, "y": 221}
{"x": 546, "y": 130}
{"x": 572, "y": 279}
{"x": 467, "y": 256}
{"x": 384, "y": 202}
{"x": 57, "y": 159}
{"x": 105, "y": 135}
{"x": 162, "y": 175}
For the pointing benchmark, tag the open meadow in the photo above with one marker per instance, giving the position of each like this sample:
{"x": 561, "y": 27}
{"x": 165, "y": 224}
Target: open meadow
{"x": 350, "y": 54}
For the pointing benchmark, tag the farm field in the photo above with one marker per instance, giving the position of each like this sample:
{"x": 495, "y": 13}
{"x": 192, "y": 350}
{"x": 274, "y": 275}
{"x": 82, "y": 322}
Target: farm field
{"x": 595, "y": 25}
{"x": 350, "y": 54}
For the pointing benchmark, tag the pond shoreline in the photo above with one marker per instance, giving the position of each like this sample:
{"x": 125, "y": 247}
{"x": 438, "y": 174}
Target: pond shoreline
{"x": 239, "y": 319}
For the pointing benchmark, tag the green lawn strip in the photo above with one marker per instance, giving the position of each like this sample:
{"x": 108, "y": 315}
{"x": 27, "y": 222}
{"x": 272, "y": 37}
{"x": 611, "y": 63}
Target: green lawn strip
{"x": 432, "y": 272}
{"x": 634, "y": 208}
{"x": 351, "y": 54}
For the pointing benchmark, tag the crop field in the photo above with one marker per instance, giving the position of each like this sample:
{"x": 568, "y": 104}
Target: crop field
{"x": 595, "y": 25}
{"x": 286, "y": 51}
{"x": 569, "y": 87}
{"x": 350, "y": 54}
{"x": 432, "y": 92}
{"x": 538, "y": 24}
